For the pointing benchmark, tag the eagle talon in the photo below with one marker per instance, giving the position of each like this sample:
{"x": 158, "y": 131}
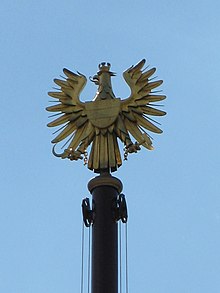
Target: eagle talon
{"x": 133, "y": 148}
{"x": 73, "y": 155}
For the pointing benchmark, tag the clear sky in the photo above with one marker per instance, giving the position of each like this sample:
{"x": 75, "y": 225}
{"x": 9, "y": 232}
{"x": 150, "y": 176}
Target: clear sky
{"x": 172, "y": 192}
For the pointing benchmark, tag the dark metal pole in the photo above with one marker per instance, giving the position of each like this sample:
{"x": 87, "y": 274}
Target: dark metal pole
{"x": 104, "y": 190}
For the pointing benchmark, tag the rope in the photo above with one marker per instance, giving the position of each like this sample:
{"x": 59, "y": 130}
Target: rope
{"x": 89, "y": 260}
{"x": 126, "y": 256}
{"x": 120, "y": 257}
{"x": 82, "y": 258}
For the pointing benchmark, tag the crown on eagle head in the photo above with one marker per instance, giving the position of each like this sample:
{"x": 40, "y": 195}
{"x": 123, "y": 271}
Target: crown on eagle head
{"x": 104, "y": 67}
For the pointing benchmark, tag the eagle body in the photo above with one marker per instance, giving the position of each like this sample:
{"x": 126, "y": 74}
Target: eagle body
{"x": 103, "y": 113}
{"x": 101, "y": 122}
{"x": 105, "y": 153}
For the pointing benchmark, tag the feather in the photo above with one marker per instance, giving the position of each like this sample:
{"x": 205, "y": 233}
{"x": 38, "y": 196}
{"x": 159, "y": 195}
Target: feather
{"x": 94, "y": 157}
{"x": 111, "y": 150}
{"x": 60, "y": 82}
{"x": 149, "y": 98}
{"x": 71, "y": 93}
{"x": 57, "y": 95}
{"x": 134, "y": 130}
{"x": 141, "y": 138}
{"x": 103, "y": 147}
{"x": 79, "y": 122}
{"x": 75, "y": 116}
{"x": 103, "y": 131}
{"x": 70, "y": 128}
{"x": 144, "y": 77}
{"x": 117, "y": 152}
{"x": 63, "y": 98}
{"x": 129, "y": 115}
{"x": 147, "y": 124}
{"x": 121, "y": 130}
{"x": 70, "y": 74}
{"x": 136, "y": 109}
{"x": 77, "y": 137}
{"x": 137, "y": 67}
{"x": 62, "y": 108}
{"x": 151, "y": 111}
{"x": 111, "y": 128}
{"x": 97, "y": 131}
{"x": 63, "y": 119}
{"x": 150, "y": 86}
{"x": 120, "y": 124}
{"x": 147, "y": 143}
{"x": 72, "y": 83}
{"x": 89, "y": 131}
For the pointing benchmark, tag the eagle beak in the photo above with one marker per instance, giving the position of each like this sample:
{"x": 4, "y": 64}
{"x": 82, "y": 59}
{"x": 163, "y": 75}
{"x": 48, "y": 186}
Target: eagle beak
{"x": 94, "y": 79}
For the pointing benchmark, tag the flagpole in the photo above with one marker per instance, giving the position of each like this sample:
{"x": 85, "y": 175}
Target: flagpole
{"x": 104, "y": 190}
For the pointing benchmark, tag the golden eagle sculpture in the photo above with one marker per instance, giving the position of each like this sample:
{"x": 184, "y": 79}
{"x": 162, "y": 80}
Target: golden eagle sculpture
{"x": 103, "y": 120}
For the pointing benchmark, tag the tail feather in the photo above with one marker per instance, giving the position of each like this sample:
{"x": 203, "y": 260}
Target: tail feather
{"x": 111, "y": 151}
{"x": 103, "y": 148}
{"x": 105, "y": 154}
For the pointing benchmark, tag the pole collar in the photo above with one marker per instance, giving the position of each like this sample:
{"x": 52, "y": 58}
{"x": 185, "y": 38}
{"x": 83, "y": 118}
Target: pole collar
{"x": 105, "y": 179}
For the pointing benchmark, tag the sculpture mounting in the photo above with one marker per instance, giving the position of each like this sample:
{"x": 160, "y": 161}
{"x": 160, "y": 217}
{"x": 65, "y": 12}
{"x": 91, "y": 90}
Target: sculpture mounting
{"x": 101, "y": 122}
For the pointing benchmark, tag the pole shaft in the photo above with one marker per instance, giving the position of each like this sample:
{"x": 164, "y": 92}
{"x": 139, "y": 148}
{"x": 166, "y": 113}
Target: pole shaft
{"x": 104, "y": 236}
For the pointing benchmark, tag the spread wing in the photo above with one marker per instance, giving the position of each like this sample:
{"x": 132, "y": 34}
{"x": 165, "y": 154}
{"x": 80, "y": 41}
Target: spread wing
{"x": 71, "y": 111}
{"x": 139, "y": 106}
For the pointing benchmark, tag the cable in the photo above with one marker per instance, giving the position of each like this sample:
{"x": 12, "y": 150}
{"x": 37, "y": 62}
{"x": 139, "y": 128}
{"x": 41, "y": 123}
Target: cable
{"x": 82, "y": 259}
{"x": 126, "y": 255}
{"x": 89, "y": 260}
{"x": 120, "y": 258}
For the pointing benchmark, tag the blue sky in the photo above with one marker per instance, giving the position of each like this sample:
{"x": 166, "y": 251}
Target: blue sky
{"x": 172, "y": 192}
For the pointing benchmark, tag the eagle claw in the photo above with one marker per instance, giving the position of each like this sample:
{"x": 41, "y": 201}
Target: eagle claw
{"x": 73, "y": 155}
{"x": 133, "y": 148}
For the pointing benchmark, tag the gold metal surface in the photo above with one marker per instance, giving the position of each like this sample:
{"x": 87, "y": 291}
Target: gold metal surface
{"x": 101, "y": 122}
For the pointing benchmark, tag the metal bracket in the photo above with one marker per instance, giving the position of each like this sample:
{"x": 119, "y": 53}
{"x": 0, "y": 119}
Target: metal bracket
{"x": 120, "y": 209}
{"x": 88, "y": 213}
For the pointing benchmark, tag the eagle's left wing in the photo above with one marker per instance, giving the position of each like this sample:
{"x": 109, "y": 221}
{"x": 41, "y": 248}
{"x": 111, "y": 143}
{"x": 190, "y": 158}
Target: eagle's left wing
{"x": 136, "y": 109}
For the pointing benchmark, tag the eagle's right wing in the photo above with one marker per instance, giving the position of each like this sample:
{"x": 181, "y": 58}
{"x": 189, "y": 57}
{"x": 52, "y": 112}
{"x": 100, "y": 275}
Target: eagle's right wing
{"x": 72, "y": 112}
